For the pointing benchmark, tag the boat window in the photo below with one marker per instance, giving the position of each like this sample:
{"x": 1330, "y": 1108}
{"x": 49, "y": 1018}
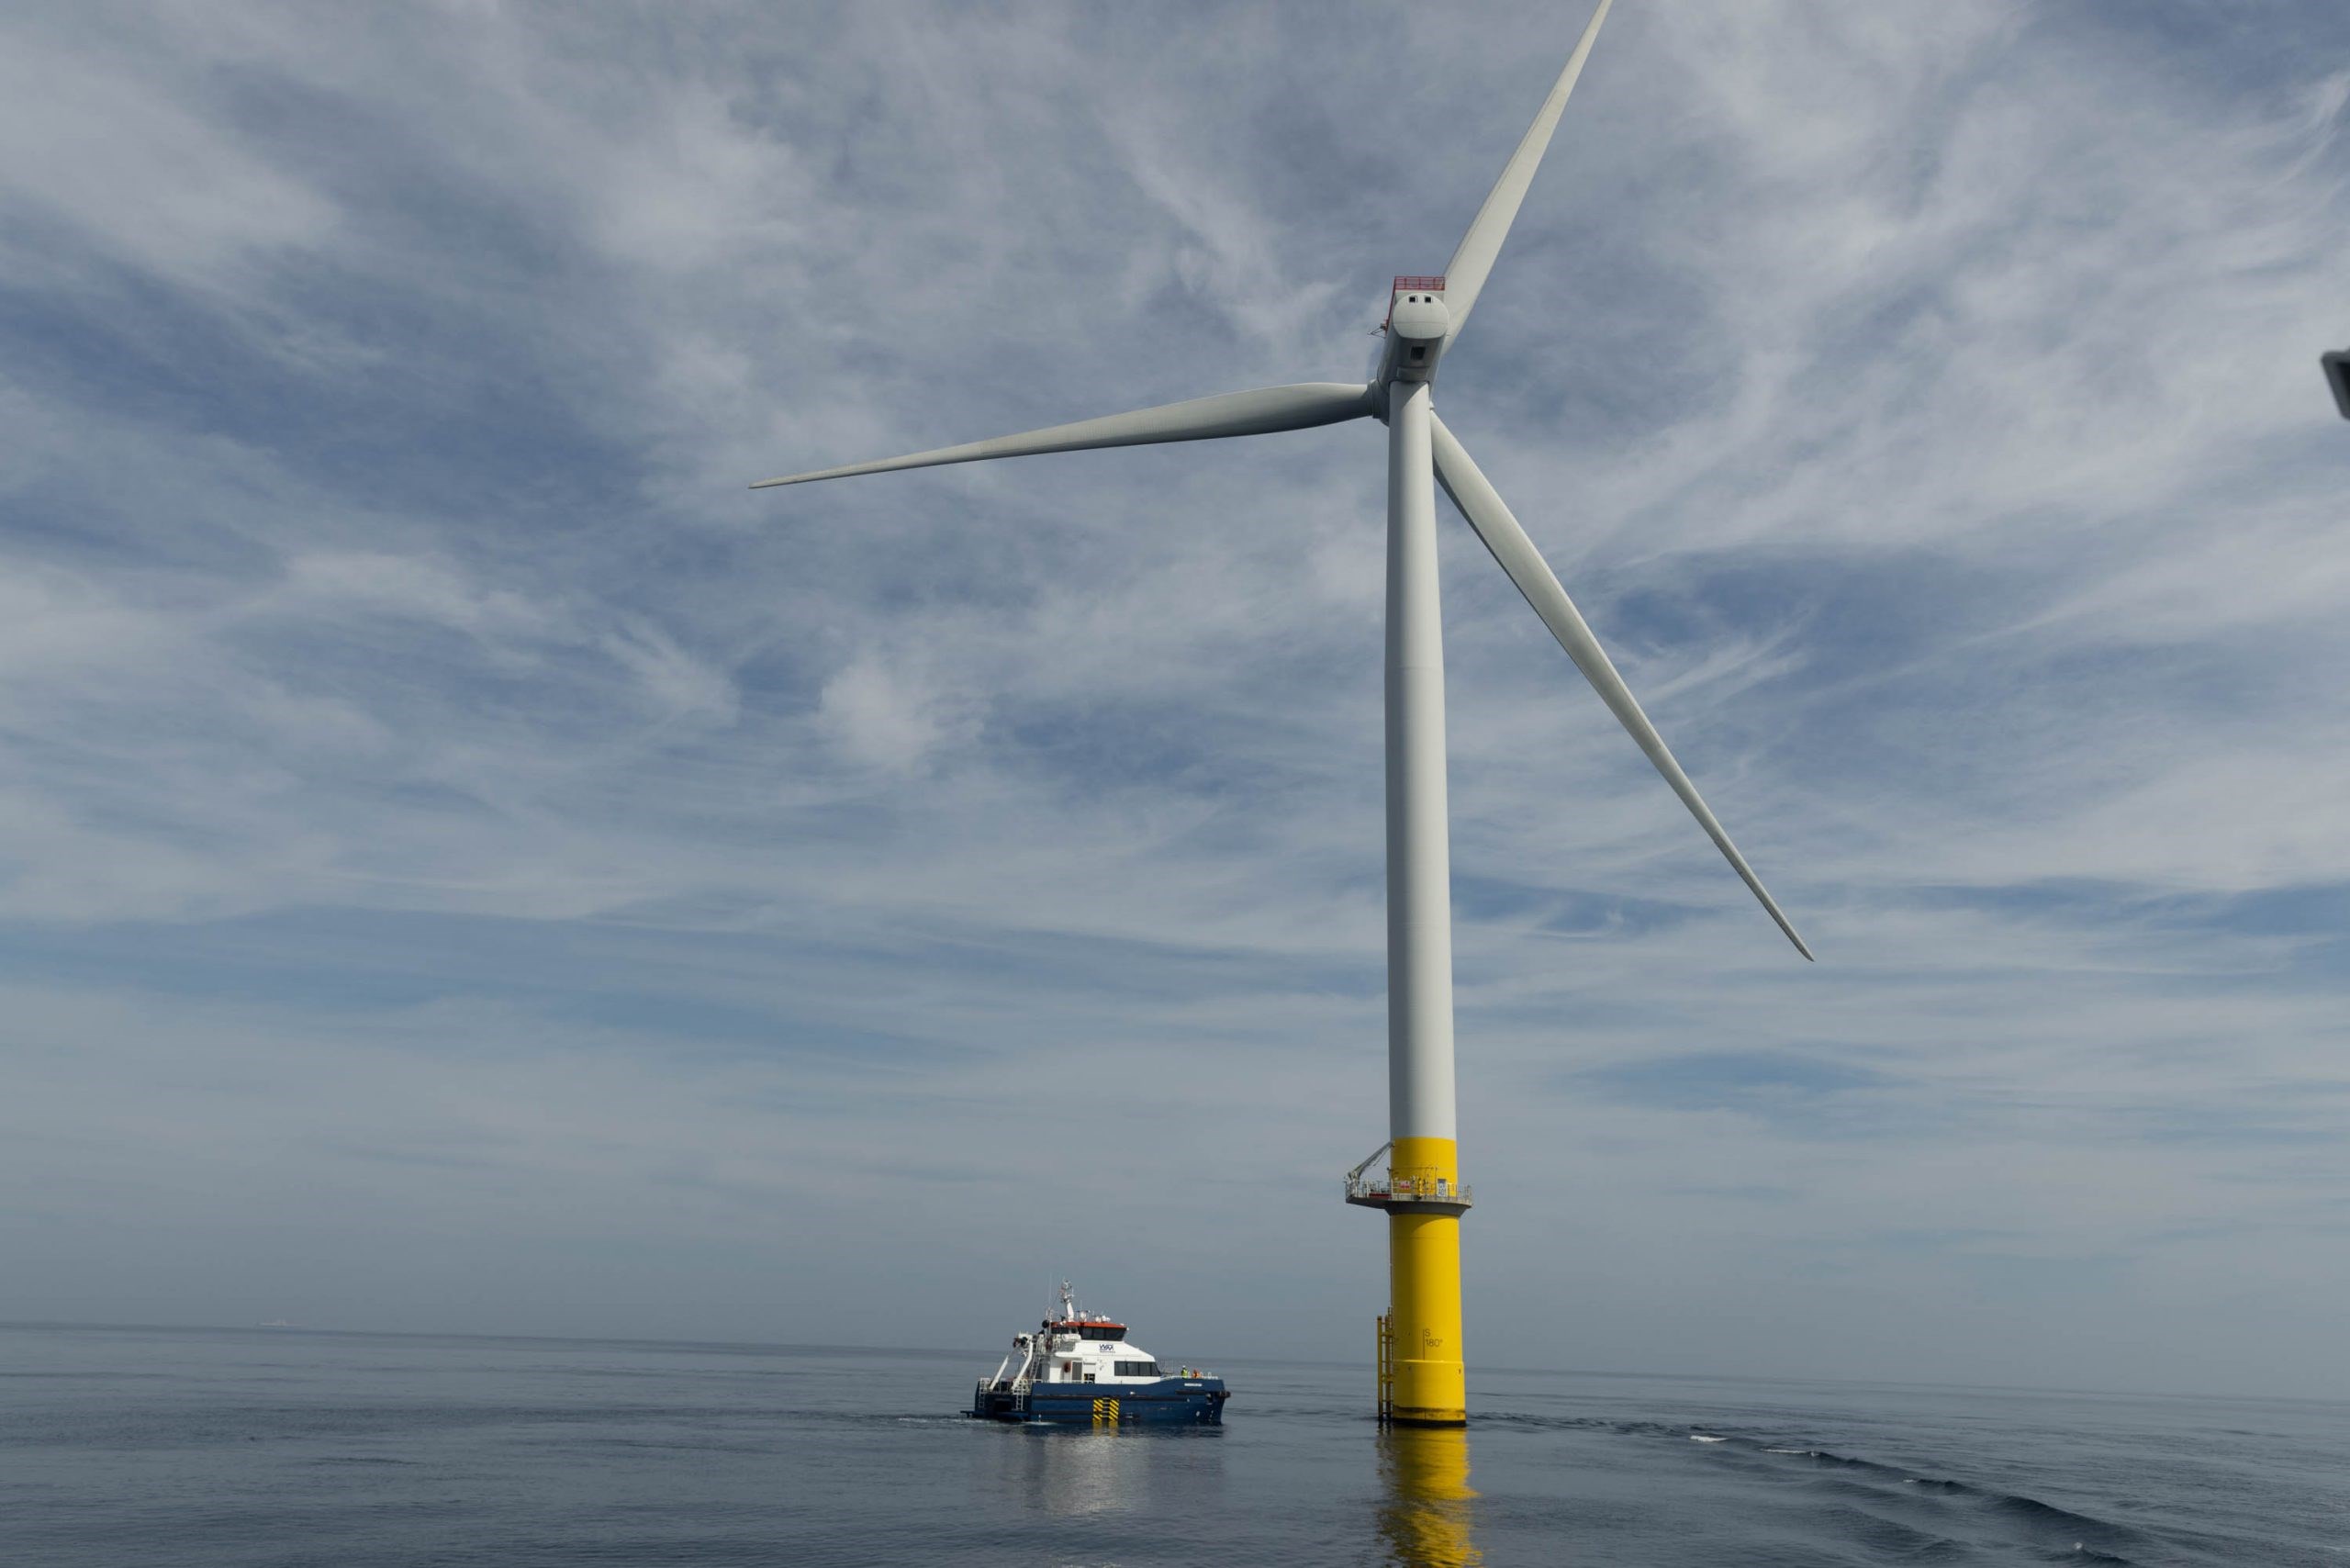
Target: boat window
{"x": 1138, "y": 1369}
{"x": 1103, "y": 1333}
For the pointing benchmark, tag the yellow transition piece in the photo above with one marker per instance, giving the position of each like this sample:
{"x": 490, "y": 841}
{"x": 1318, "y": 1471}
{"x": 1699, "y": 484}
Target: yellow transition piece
{"x": 1424, "y": 1291}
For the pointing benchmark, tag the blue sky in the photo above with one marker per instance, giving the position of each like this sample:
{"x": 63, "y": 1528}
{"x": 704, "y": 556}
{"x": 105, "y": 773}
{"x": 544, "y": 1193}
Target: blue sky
{"x": 465, "y": 863}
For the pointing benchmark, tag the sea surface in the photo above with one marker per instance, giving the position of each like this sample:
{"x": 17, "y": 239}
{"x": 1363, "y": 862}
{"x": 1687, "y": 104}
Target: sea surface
{"x": 122, "y": 1447}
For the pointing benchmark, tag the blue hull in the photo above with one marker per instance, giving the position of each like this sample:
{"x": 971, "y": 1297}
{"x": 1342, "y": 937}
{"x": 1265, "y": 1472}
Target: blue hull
{"x": 1188, "y": 1401}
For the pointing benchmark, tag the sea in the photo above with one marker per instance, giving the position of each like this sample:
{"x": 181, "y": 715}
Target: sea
{"x": 284, "y": 1447}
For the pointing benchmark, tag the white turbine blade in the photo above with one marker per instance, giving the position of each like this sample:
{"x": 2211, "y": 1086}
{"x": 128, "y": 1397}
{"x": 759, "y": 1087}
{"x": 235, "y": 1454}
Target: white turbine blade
{"x": 1261, "y": 412}
{"x": 1487, "y": 513}
{"x": 1466, "y": 276}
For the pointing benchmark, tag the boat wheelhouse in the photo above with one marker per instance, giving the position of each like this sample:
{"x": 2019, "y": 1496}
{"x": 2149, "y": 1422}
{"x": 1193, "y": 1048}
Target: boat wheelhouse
{"x": 1079, "y": 1369}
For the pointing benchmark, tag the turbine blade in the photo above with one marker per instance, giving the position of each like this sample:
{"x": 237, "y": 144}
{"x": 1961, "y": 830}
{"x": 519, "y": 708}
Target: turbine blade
{"x": 1261, "y": 412}
{"x": 1465, "y": 277}
{"x": 1489, "y": 515}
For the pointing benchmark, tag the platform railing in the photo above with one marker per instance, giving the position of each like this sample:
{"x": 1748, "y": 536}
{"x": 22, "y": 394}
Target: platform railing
{"x": 1364, "y": 1189}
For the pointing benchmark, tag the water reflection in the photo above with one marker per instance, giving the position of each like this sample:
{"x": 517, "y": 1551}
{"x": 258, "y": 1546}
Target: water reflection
{"x": 1424, "y": 1509}
{"x": 1074, "y": 1473}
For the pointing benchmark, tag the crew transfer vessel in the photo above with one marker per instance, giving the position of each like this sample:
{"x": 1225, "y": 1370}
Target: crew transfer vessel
{"x": 1079, "y": 1369}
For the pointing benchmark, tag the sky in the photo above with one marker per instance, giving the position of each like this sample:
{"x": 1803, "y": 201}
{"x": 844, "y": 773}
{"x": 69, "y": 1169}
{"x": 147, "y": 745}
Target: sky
{"x": 468, "y": 864}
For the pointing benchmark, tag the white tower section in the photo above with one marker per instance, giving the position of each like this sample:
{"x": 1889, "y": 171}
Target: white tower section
{"x": 1419, "y": 858}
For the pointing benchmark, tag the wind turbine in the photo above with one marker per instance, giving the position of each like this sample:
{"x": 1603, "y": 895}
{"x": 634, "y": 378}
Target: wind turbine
{"x": 1423, "y": 1381}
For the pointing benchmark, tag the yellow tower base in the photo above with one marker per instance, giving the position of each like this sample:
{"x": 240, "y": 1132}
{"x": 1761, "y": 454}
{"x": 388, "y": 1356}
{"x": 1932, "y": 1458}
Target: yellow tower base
{"x": 1431, "y": 1384}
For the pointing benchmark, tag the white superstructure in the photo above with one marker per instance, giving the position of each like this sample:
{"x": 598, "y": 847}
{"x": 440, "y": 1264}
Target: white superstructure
{"x": 1079, "y": 1347}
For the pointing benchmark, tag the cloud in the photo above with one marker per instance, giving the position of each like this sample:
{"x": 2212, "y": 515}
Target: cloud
{"x": 882, "y": 719}
{"x": 108, "y": 165}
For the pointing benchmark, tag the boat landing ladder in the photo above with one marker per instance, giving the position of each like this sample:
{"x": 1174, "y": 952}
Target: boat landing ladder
{"x": 1387, "y": 1371}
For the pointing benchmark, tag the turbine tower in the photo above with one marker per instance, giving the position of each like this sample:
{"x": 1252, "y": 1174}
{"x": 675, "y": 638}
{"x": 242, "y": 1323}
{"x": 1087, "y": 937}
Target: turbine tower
{"x": 1423, "y": 1377}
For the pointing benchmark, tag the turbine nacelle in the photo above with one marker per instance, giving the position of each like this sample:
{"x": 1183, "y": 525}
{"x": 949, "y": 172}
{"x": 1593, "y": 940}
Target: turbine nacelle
{"x": 1418, "y": 325}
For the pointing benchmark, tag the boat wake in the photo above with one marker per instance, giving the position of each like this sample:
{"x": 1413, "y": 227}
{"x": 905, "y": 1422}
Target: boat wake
{"x": 1921, "y": 1507}
{"x": 2083, "y": 1537}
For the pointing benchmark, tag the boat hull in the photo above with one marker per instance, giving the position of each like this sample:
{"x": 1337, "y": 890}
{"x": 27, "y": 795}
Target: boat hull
{"x": 1185, "y": 1401}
